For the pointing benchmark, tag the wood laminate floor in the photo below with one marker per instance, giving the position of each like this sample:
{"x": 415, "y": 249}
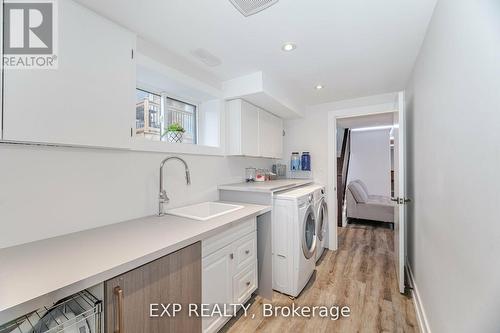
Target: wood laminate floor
{"x": 361, "y": 275}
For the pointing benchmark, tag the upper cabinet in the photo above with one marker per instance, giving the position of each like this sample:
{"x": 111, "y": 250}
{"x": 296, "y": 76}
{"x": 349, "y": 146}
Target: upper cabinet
{"x": 242, "y": 128}
{"x": 252, "y": 131}
{"x": 270, "y": 135}
{"x": 89, "y": 99}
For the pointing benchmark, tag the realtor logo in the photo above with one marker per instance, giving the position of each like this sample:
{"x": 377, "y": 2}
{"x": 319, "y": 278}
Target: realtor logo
{"x": 30, "y": 37}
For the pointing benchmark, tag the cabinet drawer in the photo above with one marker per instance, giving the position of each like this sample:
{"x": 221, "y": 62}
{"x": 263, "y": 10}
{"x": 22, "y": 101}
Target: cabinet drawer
{"x": 246, "y": 250}
{"x": 228, "y": 236}
{"x": 245, "y": 283}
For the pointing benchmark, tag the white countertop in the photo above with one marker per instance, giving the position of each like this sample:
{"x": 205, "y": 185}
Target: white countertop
{"x": 269, "y": 186}
{"x": 86, "y": 258}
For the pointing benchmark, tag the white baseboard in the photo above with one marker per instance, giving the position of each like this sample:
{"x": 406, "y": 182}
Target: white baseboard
{"x": 423, "y": 323}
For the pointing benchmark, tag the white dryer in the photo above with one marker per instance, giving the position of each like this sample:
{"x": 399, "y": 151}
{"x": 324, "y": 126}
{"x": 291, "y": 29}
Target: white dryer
{"x": 321, "y": 209}
{"x": 294, "y": 240}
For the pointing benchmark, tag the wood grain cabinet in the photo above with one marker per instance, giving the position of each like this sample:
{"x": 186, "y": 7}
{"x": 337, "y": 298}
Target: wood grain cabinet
{"x": 175, "y": 278}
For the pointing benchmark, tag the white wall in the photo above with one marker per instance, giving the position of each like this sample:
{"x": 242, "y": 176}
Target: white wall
{"x": 310, "y": 133}
{"x": 453, "y": 168}
{"x": 371, "y": 160}
{"x": 48, "y": 191}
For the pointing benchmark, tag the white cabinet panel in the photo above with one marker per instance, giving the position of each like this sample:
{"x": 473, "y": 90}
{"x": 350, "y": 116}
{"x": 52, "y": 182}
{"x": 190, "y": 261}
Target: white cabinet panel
{"x": 278, "y": 137}
{"x": 89, "y": 99}
{"x": 252, "y": 131}
{"x": 228, "y": 236}
{"x": 266, "y": 134}
{"x": 270, "y": 135}
{"x": 242, "y": 128}
{"x": 217, "y": 272}
{"x": 244, "y": 283}
{"x": 249, "y": 129}
{"x": 245, "y": 251}
{"x": 229, "y": 274}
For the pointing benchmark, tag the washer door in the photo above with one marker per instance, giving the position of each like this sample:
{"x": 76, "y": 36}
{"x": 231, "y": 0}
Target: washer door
{"x": 322, "y": 217}
{"x": 309, "y": 233}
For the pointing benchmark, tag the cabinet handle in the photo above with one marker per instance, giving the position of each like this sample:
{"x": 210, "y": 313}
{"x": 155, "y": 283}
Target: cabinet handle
{"x": 231, "y": 256}
{"x": 248, "y": 283}
{"x": 247, "y": 251}
{"x": 118, "y": 292}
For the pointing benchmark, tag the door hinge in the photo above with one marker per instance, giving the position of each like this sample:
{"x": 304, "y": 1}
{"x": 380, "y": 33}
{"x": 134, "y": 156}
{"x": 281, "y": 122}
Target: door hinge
{"x": 401, "y": 201}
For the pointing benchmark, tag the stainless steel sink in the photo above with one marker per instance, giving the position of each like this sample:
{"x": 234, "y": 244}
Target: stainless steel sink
{"x": 204, "y": 211}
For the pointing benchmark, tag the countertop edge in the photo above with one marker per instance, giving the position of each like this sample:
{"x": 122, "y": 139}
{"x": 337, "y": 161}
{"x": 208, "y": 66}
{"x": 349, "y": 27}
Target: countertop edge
{"x": 244, "y": 187}
{"x": 94, "y": 279}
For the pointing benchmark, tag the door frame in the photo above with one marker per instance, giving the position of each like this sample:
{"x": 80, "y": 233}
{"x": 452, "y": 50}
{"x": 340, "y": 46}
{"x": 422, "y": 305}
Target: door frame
{"x": 332, "y": 156}
{"x": 400, "y": 246}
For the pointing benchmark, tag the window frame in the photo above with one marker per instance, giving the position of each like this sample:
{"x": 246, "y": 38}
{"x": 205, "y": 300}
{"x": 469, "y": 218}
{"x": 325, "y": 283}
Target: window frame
{"x": 148, "y": 91}
{"x": 195, "y": 114}
{"x": 164, "y": 96}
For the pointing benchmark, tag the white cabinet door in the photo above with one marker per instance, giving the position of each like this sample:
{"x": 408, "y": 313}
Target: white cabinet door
{"x": 270, "y": 135}
{"x": 277, "y": 137}
{"x": 217, "y": 275}
{"x": 249, "y": 129}
{"x": 89, "y": 99}
{"x": 266, "y": 137}
{"x": 252, "y": 131}
{"x": 242, "y": 128}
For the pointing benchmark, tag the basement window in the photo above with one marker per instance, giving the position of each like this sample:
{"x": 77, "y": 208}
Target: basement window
{"x": 155, "y": 113}
{"x": 184, "y": 114}
{"x": 148, "y": 115}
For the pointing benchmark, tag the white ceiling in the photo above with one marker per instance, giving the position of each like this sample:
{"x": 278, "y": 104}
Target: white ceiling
{"x": 381, "y": 119}
{"x": 353, "y": 47}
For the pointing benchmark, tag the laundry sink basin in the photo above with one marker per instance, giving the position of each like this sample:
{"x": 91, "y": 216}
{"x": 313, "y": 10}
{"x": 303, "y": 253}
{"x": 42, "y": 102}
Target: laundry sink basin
{"x": 204, "y": 211}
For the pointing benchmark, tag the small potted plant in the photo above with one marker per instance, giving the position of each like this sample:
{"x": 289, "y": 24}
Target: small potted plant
{"x": 174, "y": 133}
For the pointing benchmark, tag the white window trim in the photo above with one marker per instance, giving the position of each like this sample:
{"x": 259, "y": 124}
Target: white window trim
{"x": 166, "y": 95}
{"x": 142, "y": 144}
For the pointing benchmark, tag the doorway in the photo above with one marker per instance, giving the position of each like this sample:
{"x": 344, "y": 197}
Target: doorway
{"x": 388, "y": 119}
{"x": 364, "y": 157}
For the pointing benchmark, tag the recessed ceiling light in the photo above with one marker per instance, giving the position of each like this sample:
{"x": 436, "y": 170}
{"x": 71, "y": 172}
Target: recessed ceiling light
{"x": 287, "y": 47}
{"x": 319, "y": 87}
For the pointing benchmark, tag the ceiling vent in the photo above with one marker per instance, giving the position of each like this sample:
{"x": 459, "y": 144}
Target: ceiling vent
{"x": 206, "y": 57}
{"x": 250, "y": 7}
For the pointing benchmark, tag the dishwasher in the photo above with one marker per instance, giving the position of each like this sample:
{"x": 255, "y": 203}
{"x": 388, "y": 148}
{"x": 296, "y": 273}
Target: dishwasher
{"x": 79, "y": 313}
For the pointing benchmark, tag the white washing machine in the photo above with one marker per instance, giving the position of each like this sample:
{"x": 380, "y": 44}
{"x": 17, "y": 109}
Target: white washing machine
{"x": 321, "y": 209}
{"x": 294, "y": 240}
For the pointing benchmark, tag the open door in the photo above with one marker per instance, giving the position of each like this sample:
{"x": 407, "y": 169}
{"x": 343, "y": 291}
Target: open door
{"x": 399, "y": 191}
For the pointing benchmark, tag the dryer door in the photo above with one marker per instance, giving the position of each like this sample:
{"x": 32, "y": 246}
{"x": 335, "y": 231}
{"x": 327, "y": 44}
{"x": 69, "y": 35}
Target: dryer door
{"x": 309, "y": 233}
{"x": 322, "y": 218}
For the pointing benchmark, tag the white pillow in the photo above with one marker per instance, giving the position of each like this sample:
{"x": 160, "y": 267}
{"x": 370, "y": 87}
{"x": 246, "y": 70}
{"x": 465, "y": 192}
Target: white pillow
{"x": 358, "y": 192}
